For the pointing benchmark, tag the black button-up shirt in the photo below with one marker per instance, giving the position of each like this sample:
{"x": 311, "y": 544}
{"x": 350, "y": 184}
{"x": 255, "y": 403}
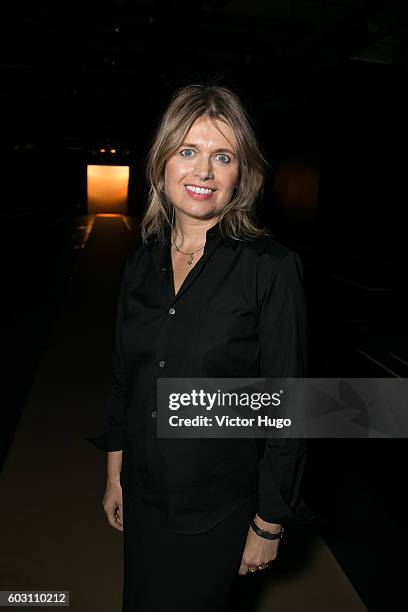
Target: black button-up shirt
{"x": 240, "y": 312}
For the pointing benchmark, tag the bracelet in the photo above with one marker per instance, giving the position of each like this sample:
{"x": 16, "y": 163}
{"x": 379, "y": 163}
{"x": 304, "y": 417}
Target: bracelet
{"x": 268, "y": 535}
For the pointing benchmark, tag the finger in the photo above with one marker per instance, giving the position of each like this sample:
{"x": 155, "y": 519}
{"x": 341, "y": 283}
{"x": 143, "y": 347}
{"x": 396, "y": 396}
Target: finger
{"x": 112, "y": 517}
{"x": 115, "y": 524}
{"x": 243, "y": 569}
{"x": 119, "y": 515}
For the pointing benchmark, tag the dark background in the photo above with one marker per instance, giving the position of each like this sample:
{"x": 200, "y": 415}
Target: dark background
{"x": 325, "y": 83}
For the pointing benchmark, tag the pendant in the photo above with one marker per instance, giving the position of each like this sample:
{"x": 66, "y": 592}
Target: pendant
{"x": 190, "y": 260}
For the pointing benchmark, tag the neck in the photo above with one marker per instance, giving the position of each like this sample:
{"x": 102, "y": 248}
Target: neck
{"x": 191, "y": 234}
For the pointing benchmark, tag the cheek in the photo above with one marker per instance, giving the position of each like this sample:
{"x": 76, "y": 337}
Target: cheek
{"x": 228, "y": 177}
{"x": 177, "y": 171}
{"x": 183, "y": 168}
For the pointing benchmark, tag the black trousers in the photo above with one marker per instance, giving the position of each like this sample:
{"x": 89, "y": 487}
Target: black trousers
{"x": 172, "y": 572}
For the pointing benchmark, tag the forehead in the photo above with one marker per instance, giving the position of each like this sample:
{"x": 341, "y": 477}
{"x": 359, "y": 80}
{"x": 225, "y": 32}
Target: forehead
{"x": 211, "y": 132}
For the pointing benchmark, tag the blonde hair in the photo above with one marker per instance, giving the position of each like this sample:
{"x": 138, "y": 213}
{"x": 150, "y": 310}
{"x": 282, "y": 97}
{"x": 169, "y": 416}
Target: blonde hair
{"x": 189, "y": 103}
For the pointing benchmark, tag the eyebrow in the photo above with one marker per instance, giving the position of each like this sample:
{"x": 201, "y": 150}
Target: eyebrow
{"x": 194, "y": 146}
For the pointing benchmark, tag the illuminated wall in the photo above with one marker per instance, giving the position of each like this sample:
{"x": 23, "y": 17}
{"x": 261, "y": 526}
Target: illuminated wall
{"x": 107, "y": 189}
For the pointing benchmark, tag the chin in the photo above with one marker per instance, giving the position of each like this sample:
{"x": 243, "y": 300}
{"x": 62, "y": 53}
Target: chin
{"x": 205, "y": 214}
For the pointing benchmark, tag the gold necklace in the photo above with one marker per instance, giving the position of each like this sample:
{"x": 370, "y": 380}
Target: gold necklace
{"x": 190, "y": 255}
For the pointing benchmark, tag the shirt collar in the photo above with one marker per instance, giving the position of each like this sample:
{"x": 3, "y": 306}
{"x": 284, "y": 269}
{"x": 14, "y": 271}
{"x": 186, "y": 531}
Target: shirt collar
{"x": 215, "y": 232}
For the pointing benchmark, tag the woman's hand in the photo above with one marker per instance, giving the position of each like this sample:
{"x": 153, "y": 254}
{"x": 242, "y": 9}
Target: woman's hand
{"x": 258, "y": 550}
{"x": 113, "y": 504}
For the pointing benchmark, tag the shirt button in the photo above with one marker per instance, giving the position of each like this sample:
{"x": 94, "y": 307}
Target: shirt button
{"x": 153, "y": 414}
{"x": 172, "y": 310}
{"x": 163, "y": 269}
{"x": 162, "y": 364}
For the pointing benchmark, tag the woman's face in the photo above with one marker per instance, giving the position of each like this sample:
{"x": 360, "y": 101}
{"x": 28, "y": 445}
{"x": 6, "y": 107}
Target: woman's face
{"x": 206, "y": 159}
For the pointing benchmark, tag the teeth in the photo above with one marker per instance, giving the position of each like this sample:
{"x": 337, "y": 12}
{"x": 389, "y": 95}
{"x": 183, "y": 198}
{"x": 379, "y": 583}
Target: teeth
{"x": 200, "y": 190}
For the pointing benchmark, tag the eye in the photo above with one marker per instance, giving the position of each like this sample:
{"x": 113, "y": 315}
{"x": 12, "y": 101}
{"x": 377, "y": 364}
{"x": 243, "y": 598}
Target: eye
{"x": 226, "y": 159}
{"x": 184, "y": 150}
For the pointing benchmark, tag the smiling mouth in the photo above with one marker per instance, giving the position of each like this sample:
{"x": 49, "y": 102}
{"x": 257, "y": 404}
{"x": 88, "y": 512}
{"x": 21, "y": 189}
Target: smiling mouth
{"x": 199, "y": 190}
{"x": 200, "y": 194}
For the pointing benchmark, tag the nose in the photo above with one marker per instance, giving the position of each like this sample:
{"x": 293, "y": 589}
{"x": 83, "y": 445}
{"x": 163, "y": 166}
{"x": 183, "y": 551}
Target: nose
{"x": 203, "y": 169}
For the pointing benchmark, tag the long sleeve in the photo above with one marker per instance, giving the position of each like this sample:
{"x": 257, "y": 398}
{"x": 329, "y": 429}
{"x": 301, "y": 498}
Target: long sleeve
{"x": 112, "y": 438}
{"x": 283, "y": 343}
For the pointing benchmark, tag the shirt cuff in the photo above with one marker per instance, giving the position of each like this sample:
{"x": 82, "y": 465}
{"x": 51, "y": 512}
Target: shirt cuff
{"x": 272, "y": 507}
{"x": 303, "y": 515}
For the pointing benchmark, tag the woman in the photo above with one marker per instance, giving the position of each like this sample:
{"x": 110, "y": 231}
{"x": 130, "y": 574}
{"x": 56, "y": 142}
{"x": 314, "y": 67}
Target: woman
{"x": 207, "y": 294}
